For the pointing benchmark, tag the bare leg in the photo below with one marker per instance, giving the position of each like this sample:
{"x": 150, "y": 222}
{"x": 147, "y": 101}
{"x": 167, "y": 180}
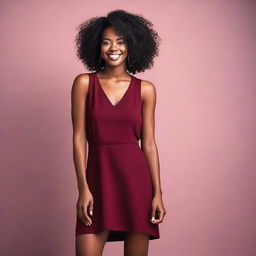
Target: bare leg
{"x": 91, "y": 244}
{"x": 136, "y": 244}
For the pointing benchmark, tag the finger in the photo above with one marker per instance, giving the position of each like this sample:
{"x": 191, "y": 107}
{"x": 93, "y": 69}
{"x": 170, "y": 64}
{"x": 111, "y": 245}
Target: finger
{"x": 91, "y": 208}
{"x": 85, "y": 215}
{"x": 86, "y": 222}
{"x": 153, "y": 213}
{"x": 80, "y": 215}
{"x": 160, "y": 217}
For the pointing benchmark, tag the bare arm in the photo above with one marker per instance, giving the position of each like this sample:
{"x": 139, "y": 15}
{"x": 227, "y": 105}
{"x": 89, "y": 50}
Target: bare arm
{"x": 78, "y": 100}
{"x": 149, "y": 147}
{"x": 148, "y": 143}
{"x": 78, "y": 112}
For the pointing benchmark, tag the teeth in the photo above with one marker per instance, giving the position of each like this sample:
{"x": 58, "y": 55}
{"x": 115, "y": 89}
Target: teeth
{"x": 114, "y": 56}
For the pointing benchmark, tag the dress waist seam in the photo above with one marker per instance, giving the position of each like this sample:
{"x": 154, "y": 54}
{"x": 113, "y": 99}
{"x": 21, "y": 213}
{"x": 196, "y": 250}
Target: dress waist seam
{"x": 111, "y": 143}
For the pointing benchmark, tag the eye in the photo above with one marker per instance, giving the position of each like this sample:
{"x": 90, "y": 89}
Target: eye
{"x": 106, "y": 42}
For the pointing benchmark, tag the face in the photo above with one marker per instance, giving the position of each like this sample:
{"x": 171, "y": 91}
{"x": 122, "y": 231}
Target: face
{"x": 113, "y": 48}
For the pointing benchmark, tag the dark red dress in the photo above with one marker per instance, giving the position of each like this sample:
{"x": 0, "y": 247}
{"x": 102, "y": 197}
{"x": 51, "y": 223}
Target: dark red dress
{"x": 118, "y": 173}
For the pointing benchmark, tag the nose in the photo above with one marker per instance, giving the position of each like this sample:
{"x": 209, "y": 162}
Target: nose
{"x": 112, "y": 47}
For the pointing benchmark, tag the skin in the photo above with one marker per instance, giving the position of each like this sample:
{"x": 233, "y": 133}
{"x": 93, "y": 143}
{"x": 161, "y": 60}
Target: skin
{"x": 114, "y": 80}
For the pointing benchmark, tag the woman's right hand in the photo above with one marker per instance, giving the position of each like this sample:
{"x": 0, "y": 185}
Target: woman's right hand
{"x": 85, "y": 200}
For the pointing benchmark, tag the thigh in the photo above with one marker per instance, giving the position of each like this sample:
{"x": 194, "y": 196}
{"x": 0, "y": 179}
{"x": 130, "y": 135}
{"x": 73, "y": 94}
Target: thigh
{"x": 91, "y": 244}
{"x": 136, "y": 244}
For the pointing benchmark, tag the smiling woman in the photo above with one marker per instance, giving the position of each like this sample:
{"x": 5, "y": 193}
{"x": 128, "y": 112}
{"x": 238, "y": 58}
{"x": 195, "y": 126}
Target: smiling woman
{"x": 120, "y": 197}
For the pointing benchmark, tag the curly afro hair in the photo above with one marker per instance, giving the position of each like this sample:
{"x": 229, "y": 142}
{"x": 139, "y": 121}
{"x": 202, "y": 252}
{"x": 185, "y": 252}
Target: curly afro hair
{"x": 142, "y": 40}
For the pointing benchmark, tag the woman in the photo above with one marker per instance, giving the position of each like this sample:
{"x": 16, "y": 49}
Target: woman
{"x": 120, "y": 196}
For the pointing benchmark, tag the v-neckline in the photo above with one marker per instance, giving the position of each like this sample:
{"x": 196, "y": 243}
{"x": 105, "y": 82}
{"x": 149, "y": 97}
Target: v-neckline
{"x": 105, "y": 95}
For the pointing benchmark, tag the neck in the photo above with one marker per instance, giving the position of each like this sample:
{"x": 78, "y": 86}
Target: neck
{"x": 114, "y": 72}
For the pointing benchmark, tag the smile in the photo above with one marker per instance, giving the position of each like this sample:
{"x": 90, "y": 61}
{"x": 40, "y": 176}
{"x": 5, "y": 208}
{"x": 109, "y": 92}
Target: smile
{"x": 114, "y": 56}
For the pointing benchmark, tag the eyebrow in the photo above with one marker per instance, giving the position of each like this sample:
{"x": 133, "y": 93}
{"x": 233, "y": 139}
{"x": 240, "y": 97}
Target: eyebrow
{"x": 105, "y": 38}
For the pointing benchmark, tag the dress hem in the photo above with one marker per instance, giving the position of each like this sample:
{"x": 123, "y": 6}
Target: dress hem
{"x": 118, "y": 234}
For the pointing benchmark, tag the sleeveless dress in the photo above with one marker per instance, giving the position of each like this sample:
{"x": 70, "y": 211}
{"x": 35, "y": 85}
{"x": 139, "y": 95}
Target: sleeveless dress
{"x": 117, "y": 171}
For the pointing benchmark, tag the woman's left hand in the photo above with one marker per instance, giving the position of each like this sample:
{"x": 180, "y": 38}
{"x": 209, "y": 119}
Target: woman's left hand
{"x": 158, "y": 210}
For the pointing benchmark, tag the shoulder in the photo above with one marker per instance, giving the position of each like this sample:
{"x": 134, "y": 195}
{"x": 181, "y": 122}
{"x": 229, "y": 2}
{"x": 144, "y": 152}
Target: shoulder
{"x": 81, "y": 82}
{"x": 147, "y": 85}
{"x": 148, "y": 89}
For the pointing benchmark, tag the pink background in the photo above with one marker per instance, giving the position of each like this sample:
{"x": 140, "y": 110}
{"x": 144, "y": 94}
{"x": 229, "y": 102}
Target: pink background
{"x": 205, "y": 125}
